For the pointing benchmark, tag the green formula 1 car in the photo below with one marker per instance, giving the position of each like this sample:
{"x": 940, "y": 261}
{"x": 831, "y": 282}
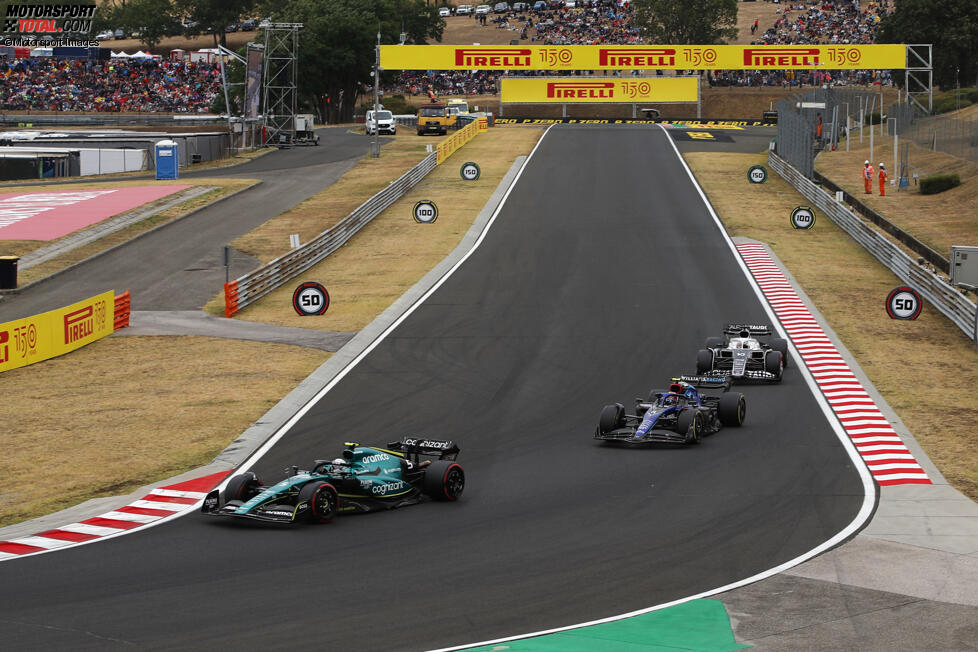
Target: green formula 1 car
{"x": 364, "y": 479}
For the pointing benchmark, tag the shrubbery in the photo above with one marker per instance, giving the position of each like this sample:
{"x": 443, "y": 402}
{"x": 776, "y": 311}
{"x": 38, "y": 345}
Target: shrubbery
{"x": 396, "y": 104}
{"x": 938, "y": 183}
{"x": 948, "y": 100}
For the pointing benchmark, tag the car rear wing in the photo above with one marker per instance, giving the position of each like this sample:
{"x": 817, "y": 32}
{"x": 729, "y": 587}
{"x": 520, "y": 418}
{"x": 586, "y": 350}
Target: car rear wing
{"x": 752, "y": 329}
{"x": 444, "y": 449}
{"x": 720, "y": 381}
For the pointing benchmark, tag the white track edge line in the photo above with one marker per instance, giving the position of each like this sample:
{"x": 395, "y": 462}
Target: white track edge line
{"x": 869, "y": 486}
{"x": 255, "y": 456}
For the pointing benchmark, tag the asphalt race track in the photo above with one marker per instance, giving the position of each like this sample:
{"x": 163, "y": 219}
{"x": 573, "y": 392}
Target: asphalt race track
{"x": 599, "y": 279}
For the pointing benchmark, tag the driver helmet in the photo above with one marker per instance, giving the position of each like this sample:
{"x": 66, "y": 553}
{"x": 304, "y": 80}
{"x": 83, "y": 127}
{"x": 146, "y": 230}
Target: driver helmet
{"x": 670, "y": 399}
{"x": 339, "y": 461}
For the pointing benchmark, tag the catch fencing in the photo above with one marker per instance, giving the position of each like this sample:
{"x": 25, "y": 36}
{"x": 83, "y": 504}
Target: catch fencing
{"x": 799, "y": 139}
{"x": 940, "y": 133}
{"x": 252, "y": 286}
{"x": 936, "y": 289}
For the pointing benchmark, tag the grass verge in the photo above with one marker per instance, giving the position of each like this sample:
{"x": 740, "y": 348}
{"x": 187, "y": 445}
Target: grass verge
{"x": 393, "y": 252}
{"x": 923, "y": 368}
{"x": 310, "y": 218}
{"x": 936, "y": 220}
{"x": 194, "y": 395}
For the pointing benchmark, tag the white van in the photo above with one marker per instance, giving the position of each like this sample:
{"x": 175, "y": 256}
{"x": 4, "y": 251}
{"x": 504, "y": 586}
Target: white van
{"x": 384, "y": 122}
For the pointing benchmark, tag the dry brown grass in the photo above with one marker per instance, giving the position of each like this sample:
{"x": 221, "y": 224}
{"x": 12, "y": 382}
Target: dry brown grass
{"x": 320, "y": 212}
{"x": 929, "y": 383}
{"x": 194, "y": 395}
{"x": 937, "y": 220}
{"x": 222, "y": 188}
{"x": 393, "y": 252}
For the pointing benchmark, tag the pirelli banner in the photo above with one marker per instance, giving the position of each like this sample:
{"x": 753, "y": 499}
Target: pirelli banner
{"x": 603, "y": 90}
{"x": 50, "y": 334}
{"x": 643, "y": 57}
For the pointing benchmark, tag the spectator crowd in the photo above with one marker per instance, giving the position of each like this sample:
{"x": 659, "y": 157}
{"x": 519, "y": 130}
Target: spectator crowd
{"x": 594, "y": 22}
{"x": 45, "y": 84}
{"x": 827, "y": 22}
{"x": 190, "y": 87}
{"x": 822, "y": 22}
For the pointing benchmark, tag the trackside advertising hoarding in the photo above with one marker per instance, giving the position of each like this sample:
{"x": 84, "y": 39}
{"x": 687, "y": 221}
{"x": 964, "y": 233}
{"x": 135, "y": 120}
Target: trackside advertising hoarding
{"x": 643, "y": 57}
{"x": 50, "y": 334}
{"x": 538, "y": 90}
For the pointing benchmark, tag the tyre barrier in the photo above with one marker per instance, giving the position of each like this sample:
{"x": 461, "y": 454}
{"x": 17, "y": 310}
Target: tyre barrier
{"x": 123, "y": 306}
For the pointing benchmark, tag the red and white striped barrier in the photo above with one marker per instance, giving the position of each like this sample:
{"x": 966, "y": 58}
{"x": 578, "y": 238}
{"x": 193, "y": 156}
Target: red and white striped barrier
{"x": 885, "y": 454}
{"x": 158, "y": 504}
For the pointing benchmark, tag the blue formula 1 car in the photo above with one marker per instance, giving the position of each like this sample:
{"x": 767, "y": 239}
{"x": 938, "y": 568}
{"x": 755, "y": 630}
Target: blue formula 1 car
{"x": 363, "y": 480}
{"x": 692, "y": 407}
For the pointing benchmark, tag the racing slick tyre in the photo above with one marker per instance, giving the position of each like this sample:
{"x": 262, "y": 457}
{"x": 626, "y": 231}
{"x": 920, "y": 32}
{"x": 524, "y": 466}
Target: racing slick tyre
{"x": 242, "y": 487}
{"x": 714, "y": 343}
{"x": 704, "y": 361}
{"x": 781, "y": 346}
{"x": 732, "y": 409}
{"x": 689, "y": 424}
{"x": 612, "y": 418}
{"x": 443, "y": 480}
{"x": 774, "y": 364}
{"x": 323, "y": 499}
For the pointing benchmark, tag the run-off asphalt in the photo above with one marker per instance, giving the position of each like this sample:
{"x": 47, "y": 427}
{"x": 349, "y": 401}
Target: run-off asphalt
{"x": 599, "y": 280}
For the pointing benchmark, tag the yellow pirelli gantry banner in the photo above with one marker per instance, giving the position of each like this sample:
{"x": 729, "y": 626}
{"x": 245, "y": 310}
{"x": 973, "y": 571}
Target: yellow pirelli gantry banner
{"x": 50, "y": 334}
{"x": 643, "y": 57}
{"x": 599, "y": 90}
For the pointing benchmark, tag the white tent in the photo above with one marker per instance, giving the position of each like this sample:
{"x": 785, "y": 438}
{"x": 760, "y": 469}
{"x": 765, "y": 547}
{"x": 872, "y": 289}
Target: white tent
{"x": 119, "y": 55}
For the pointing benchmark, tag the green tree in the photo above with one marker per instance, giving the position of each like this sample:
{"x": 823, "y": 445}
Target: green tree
{"x": 212, "y": 16}
{"x": 687, "y": 22}
{"x": 151, "y": 18}
{"x": 951, "y": 26}
{"x": 234, "y": 70}
{"x": 336, "y": 44}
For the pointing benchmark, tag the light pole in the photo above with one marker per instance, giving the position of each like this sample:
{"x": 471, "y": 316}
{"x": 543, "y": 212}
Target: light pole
{"x": 375, "y": 153}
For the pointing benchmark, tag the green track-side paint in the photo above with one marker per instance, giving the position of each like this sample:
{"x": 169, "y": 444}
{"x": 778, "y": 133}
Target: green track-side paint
{"x": 700, "y": 625}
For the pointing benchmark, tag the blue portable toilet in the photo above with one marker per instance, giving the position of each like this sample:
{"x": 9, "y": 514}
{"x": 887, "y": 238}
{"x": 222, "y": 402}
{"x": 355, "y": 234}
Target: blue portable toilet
{"x": 167, "y": 160}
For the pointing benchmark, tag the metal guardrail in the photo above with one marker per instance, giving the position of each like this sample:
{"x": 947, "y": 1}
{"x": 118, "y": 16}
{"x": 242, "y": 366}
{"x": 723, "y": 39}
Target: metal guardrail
{"x": 943, "y": 296}
{"x": 252, "y": 286}
{"x": 912, "y": 243}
